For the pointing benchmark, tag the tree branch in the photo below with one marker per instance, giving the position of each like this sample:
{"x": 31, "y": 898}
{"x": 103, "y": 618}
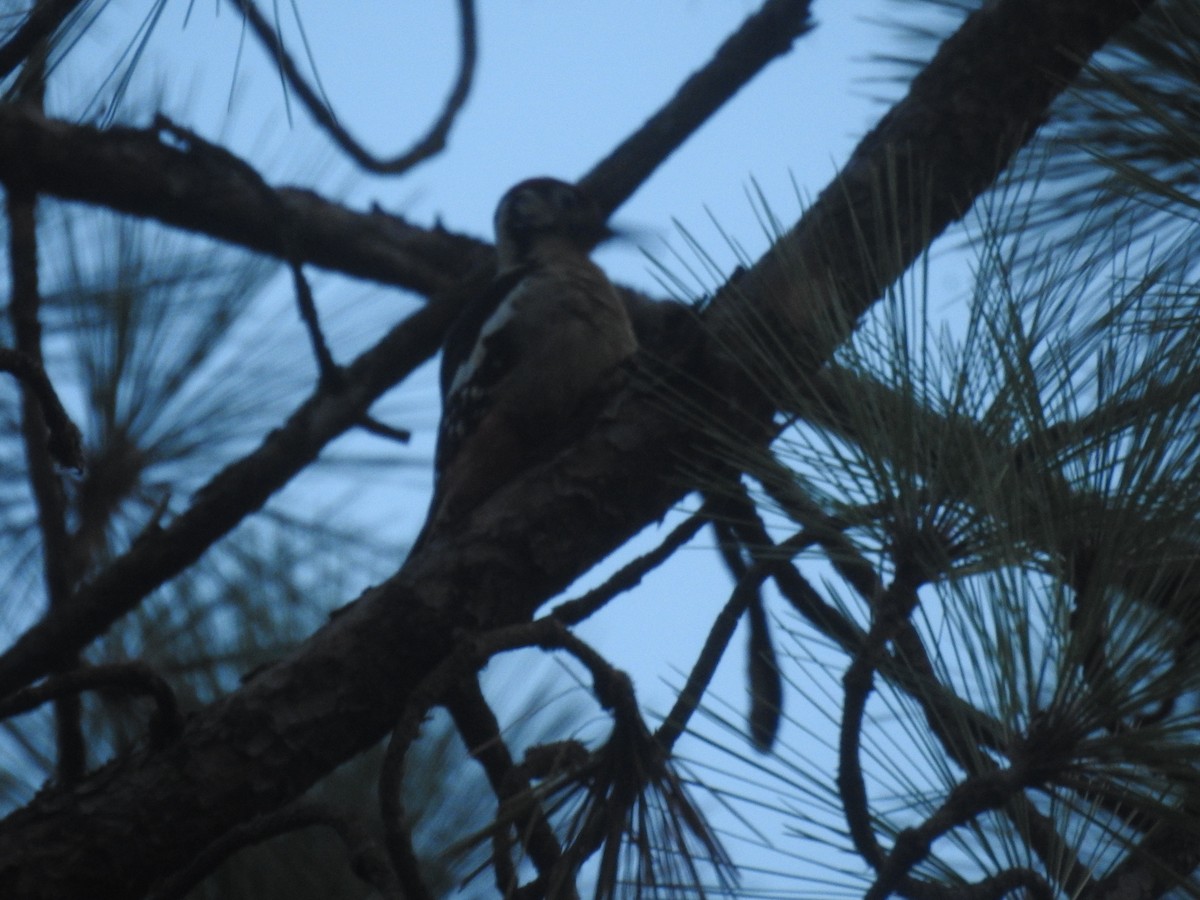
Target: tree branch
{"x": 44, "y": 17}
{"x": 167, "y": 174}
{"x": 765, "y": 35}
{"x": 480, "y": 731}
{"x": 629, "y": 576}
{"x": 65, "y": 444}
{"x": 126, "y": 678}
{"x": 433, "y": 142}
{"x": 60, "y": 563}
{"x": 397, "y": 835}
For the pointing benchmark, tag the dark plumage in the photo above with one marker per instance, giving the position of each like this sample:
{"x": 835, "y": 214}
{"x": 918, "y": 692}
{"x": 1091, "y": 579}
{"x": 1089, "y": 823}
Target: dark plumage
{"x": 525, "y": 355}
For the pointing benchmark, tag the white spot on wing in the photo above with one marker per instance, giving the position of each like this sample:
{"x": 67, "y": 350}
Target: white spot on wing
{"x": 505, "y": 312}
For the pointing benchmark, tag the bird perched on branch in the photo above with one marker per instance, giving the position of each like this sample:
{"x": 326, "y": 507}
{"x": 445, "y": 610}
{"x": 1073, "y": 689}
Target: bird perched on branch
{"x": 526, "y": 356}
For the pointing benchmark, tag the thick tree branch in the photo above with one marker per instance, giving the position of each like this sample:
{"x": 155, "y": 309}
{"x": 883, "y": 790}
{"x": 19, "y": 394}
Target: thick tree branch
{"x": 164, "y": 173}
{"x": 920, "y": 169}
{"x": 261, "y": 746}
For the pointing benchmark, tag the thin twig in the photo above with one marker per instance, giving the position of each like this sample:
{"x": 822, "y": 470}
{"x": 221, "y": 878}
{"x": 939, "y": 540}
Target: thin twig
{"x": 843, "y": 555}
{"x": 630, "y": 766}
{"x": 910, "y": 667}
{"x": 435, "y": 688}
{"x": 858, "y": 682}
{"x": 431, "y": 143}
{"x": 572, "y": 612}
{"x": 371, "y": 425}
{"x": 957, "y": 726}
{"x": 712, "y": 652}
{"x": 969, "y": 799}
{"x": 718, "y": 637}
{"x": 480, "y": 731}
{"x": 734, "y": 507}
{"x": 396, "y": 833}
{"x": 550, "y": 633}
{"x": 453, "y": 685}
{"x": 618, "y": 774}
{"x": 133, "y": 678}
{"x": 366, "y": 859}
{"x": 765, "y": 35}
{"x": 65, "y": 443}
{"x": 889, "y": 611}
{"x": 331, "y": 377}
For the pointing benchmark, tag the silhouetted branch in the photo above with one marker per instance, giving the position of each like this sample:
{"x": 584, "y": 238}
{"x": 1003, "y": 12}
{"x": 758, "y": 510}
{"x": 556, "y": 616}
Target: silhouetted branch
{"x": 371, "y": 425}
{"x": 133, "y": 678}
{"x": 164, "y": 174}
{"x": 972, "y": 797}
{"x": 330, "y": 376}
{"x": 396, "y": 833}
{"x": 572, "y": 612}
{"x": 517, "y": 802}
{"x": 1004, "y": 884}
{"x": 433, "y": 142}
{"x": 765, "y": 35}
{"x": 718, "y": 637}
{"x": 631, "y": 762}
{"x": 732, "y": 506}
{"x": 858, "y": 682}
{"x": 65, "y": 444}
{"x": 1158, "y": 863}
{"x": 890, "y": 610}
{"x": 635, "y": 807}
{"x": 958, "y": 727}
{"x": 44, "y": 17}
{"x": 60, "y": 564}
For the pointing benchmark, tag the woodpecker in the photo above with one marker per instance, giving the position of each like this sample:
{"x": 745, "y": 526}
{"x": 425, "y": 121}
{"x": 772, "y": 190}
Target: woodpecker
{"x": 525, "y": 356}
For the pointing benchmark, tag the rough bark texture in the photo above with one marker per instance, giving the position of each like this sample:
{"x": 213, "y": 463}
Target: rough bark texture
{"x": 143, "y": 817}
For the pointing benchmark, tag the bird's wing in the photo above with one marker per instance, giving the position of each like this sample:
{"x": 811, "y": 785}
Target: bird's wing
{"x": 461, "y": 338}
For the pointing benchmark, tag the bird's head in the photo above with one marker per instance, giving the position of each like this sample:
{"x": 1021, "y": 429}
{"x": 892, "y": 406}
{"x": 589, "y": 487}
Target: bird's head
{"x": 545, "y": 213}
